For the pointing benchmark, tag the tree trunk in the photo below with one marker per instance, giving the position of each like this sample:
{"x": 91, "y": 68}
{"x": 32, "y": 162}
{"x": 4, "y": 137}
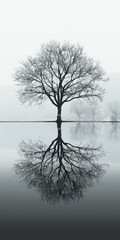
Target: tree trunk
{"x": 59, "y": 114}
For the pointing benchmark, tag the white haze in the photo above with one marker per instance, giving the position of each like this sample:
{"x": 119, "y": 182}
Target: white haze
{"x": 25, "y": 24}
{"x": 12, "y": 109}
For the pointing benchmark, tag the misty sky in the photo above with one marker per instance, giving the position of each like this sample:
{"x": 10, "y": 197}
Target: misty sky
{"x": 25, "y": 24}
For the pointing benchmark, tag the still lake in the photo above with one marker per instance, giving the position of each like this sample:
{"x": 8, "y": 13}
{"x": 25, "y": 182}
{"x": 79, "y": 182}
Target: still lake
{"x": 62, "y": 181}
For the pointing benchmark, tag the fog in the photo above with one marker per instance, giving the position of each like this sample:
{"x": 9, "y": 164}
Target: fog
{"x": 25, "y": 208}
{"x": 24, "y": 25}
{"x": 12, "y": 109}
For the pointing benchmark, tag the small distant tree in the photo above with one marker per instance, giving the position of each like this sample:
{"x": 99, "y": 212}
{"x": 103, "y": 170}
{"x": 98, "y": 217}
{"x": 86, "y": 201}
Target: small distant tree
{"x": 60, "y": 73}
{"x": 86, "y": 110}
{"x": 114, "y": 111}
{"x": 80, "y": 110}
{"x": 94, "y": 111}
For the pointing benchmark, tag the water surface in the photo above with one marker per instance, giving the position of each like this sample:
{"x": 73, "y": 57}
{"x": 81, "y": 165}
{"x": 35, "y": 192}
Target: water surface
{"x": 57, "y": 196}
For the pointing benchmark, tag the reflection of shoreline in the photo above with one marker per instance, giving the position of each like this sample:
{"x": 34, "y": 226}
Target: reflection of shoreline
{"x": 93, "y": 130}
{"x": 60, "y": 171}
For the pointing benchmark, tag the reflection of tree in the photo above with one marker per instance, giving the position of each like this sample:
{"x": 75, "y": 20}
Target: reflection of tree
{"x": 86, "y": 129}
{"x": 60, "y": 171}
{"x": 115, "y": 130}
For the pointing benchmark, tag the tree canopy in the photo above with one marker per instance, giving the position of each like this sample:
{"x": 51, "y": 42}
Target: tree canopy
{"x": 61, "y": 73}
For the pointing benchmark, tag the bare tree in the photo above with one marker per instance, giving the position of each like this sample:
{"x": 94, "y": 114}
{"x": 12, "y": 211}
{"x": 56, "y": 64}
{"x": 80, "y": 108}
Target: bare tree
{"x": 86, "y": 110}
{"x": 114, "y": 111}
{"x": 61, "y": 73}
{"x": 60, "y": 171}
{"x": 94, "y": 111}
{"x": 80, "y": 110}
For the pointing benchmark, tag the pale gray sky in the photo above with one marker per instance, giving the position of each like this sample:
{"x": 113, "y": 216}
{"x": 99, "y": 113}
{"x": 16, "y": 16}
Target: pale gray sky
{"x": 25, "y": 24}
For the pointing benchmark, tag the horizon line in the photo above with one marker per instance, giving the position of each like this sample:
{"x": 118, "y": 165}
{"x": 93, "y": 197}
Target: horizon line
{"x": 52, "y": 121}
